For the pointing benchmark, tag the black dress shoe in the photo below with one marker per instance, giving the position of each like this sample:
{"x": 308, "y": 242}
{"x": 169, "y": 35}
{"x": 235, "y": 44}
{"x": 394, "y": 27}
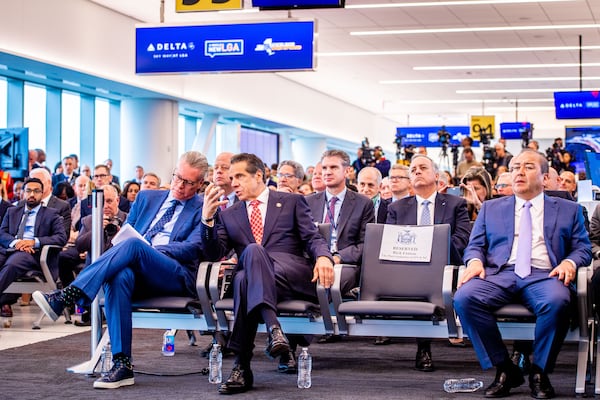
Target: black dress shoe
{"x": 240, "y": 381}
{"x": 540, "y": 386}
{"x": 287, "y": 363}
{"x": 522, "y": 361}
{"x": 504, "y": 381}
{"x": 277, "y": 343}
{"x": 423, "y": 361}
{"x": 382, "y": 341}
{"x": 6, "y": 311}
{"x": 329, "y": 339}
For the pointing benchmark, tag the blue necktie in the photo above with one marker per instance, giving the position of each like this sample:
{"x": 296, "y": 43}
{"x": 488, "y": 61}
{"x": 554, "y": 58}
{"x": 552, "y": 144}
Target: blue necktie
{"x": 160, "y": 224}
{"x": 426, "y": 214}
{"x": 524, "y": 243}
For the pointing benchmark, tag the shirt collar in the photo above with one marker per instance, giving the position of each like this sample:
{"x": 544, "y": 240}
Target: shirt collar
{"x": 263, "y": 197}
{"x": 341, "y": 195}
{"x": 536, "y": 203}
{"x": 431, "y": 198}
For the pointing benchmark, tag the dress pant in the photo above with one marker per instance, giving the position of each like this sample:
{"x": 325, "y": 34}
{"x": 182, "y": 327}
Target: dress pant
{"x": 12, "y": 266}
{"x": 132, "y": 269}
{"x": 548, "y": 298}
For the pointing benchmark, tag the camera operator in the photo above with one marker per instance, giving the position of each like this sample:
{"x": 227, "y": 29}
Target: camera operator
{"x": 381, "y": 163}
{"x": 112, "y": 220}
{"x": 554, "y": 154}
{"x": 501, "y": 158}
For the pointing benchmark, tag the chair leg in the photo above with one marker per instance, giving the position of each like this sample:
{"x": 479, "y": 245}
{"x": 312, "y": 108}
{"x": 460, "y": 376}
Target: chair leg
{"x": 37, "y": 322}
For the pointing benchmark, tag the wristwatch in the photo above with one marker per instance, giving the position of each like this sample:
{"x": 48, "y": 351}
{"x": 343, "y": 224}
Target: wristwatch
{"x": 206, "y": 221}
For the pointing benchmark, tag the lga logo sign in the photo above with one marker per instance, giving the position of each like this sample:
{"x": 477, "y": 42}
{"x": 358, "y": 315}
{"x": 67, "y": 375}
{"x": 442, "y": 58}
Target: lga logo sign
{"x": 247, "y": 47}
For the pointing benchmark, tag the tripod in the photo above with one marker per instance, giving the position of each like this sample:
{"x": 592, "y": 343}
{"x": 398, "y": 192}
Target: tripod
{"x": 444, "y": 162}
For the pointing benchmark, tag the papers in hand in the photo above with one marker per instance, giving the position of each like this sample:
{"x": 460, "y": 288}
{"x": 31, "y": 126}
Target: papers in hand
{"x": 126, "y": 232}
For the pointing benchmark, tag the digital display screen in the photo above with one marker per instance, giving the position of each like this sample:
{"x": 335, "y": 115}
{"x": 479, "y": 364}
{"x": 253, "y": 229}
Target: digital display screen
{"x": 577, "y": 105}
{"x": 296, "y": 4}
{"x": 514, "y": 130}
{"x": 429, "y": 136}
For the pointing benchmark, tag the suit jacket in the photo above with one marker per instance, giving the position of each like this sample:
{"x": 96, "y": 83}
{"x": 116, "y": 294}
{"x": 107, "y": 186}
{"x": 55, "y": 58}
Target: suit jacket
{"x": 63, "y": 178}
{"x": 595, "y": 234}
{"x": 4, "y": 206}
{"x": 84, "y": 240}
{"x": 381, "y": 216}
{"x": 48, "y": 229}
{"x": 185, "y": 243}
{"x": 63, "y": 208}
{"x": 289, "y": 233}
{"x": 564, "y": 233}
{"x": 449, "y": 209}
{"x": 356, "y": 212}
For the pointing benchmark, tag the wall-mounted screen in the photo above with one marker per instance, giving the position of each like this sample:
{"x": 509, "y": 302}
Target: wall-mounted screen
{"x": 14, "y": 152}
{"x": 515, "y": 130}
{"x": 296, "y": 4}
{"x": 576, "y": 105}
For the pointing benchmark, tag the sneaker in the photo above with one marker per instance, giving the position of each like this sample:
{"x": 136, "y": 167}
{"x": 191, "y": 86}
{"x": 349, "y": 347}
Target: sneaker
{"x": 52, "y": 304}
{"x": 119, "y": 375}
{"x": 6, "y": 311}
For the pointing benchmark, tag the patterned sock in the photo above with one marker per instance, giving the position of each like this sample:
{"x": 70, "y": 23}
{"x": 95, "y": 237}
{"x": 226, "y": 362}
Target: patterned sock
{"x": 120, "y": 359}
{"x": 72, "y": 294}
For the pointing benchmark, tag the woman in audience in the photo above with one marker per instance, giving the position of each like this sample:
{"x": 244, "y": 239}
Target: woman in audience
{"x": 306, "y": 189}
{"x": 130, "y": 191}
{"x": 565, "y": 164}
{"x": 477, "y": 188}
{"x": 63, "y": 191}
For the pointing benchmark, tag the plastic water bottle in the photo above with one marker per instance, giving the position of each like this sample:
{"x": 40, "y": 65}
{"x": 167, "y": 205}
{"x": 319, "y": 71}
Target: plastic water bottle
{"x": 304, "y": 369}
{"x": 106, "y": 359}
{"x": 215, "y": 364}
{"x": 168, "y": 348}
{"x": 464, "y": 385}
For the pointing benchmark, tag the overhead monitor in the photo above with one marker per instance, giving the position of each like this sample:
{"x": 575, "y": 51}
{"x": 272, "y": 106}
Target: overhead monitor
{"x": 577, "y": 105}
{"x": 515, "y": 130}
{"x": 296, "y": 4}
{"x": 14, "y": 152}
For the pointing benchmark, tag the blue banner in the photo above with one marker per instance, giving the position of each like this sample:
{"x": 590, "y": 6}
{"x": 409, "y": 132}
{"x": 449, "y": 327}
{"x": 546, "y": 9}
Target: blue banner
{"x": 574, "y": 105}
{"x": 269, "y": 46}
{"x": 514, "y": 130}
{"x": 429, "y": 136}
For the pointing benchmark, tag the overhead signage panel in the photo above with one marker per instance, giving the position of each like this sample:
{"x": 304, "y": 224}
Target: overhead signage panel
{"x": 429, "y": 136}
{"x": 575, "y": 105}
{"x": 207, "y": 5}
{"x": 268, "y": 46}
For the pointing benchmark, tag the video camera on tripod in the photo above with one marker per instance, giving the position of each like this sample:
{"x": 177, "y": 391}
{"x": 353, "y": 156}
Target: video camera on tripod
{"x": 368, "y": 153}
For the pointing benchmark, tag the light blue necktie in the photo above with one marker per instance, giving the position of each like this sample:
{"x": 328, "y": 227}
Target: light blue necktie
{"x": 524, "y": 243}
{"x": 426, "y": 214}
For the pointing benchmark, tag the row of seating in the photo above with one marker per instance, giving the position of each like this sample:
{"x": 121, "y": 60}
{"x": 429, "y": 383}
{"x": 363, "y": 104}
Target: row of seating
{"x": 397, "y": 299}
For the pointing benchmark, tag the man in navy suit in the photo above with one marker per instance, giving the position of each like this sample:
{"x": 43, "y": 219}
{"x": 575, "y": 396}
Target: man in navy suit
{"x": 445, "y": 209}
{"x": 495, "y": 276}
{"x": 271, "y": 232}
{"x": 25, "y": 229}
{"x": 368, "y": 183}
{"x": 68, "y": 175}
{"x": 349, "y": 218}
{"x": 165, "y": 263}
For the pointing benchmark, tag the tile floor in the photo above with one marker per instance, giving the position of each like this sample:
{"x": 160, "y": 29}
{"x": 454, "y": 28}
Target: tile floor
{"x": 21, "y": 334}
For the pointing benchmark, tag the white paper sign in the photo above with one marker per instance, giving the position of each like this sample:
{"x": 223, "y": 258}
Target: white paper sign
{"x": 406, "y": 243}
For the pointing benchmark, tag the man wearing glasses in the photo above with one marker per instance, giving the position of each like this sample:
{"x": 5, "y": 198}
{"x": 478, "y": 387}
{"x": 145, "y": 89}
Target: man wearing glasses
{"x": 399, "y": 182}
{"x": 25, "y": 229}
{"x": 290, "y": 175}
{"x": 164, "y": 262}
{"x": 100, "y": 178}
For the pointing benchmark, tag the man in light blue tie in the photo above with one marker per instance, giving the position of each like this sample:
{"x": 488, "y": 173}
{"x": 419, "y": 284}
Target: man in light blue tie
{"x": 165, "y": 263}
{"x": 521, "y": 251}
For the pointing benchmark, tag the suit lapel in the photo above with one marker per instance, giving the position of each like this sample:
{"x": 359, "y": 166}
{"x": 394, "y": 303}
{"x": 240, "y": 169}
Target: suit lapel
{"x": 440, "y": 209}
{"x": 38, "y": 221}
{"x": 345, "y": 211}
{"x": 320, "y": 201}
{"x": 274, "y": 207}
{"x": 410, "y": 211}
{"x": 506, "y": 214}
{"x": 240, "y": 216}
{"x": 188, "y": 210}
{"x": 550, "y": 220}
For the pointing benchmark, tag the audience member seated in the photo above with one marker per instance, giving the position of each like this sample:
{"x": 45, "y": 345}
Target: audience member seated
{"x": 289, "y": 176}
{"x": 428, "y": 207}
{"x": 399, "y": 182}
{"x": 24, "y": 231}
{"x": 271, "y": 232}
{"x": 109, "y": 164}
{"x": 595, "y": 239}
{"x": 17, "y": 191}
{"x": 369, "y": 182}
{"x": 503, "y": 184}
{"x": 101, "y": 178}
{"x": 150, "y": 181}
{"x": 68, "y": 173}
{"x": 530, "y": 258}
{"x": 468, "y": 162}
{"x": 568, "y": 183}
{"x": 49, "y": 200}
{"x": 170, "y": 224}
{"x": 130, "y": 191}
{"x": 64, "y": 191}
{"x": 385, "y": 191}
{"x": 317, "y": 179}
{"x": 477, "y": 186}
{"x": 306, "y": 189}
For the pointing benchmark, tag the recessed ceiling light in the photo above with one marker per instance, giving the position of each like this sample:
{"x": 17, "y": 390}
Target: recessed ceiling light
{"x": 475, "y": 29}
{"x": 493, "y": 91}
{"x": 450, "y": 3}
{"x": 502, "y": 66}
{"x": 488, "y": 80}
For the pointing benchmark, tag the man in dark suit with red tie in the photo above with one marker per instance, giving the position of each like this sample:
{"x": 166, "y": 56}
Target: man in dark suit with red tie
{"x": 524, "y": 248}
{"x": 427, "y": 207}
{"x": 271, "y": 232}
{"x": 25, "y": 230}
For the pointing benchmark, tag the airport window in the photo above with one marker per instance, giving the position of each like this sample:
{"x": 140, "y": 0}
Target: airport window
{"x": 70, "y": 123}
{"x": 3, "y": 102}
{"x": 34, "y": 114}
{"x": 263, "y": 144}
{"x": 101, "y": 130}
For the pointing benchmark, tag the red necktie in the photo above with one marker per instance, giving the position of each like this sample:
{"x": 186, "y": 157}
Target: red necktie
{"x": 331, "y": 212}
{"x": 256, "y": 221}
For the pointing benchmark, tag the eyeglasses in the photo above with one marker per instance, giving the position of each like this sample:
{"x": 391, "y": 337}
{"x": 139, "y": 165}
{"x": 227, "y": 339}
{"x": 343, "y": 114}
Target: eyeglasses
{"x": 286, "y": 176}
{"x": 101, "y": 176}
{"x": 397, "y": 178}
{"x": 34, "y": 191}
{"x": 178, "y": 179}
{"x": 502, "y": 185}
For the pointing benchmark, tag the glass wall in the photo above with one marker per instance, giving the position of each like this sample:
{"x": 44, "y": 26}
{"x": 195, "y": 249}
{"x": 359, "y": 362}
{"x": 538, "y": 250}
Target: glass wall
{"x": 3, "y": 102}
{"x": 101, "y": 131}
{"x": 70, "y": 123}
{"x": 34, "y": 114}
